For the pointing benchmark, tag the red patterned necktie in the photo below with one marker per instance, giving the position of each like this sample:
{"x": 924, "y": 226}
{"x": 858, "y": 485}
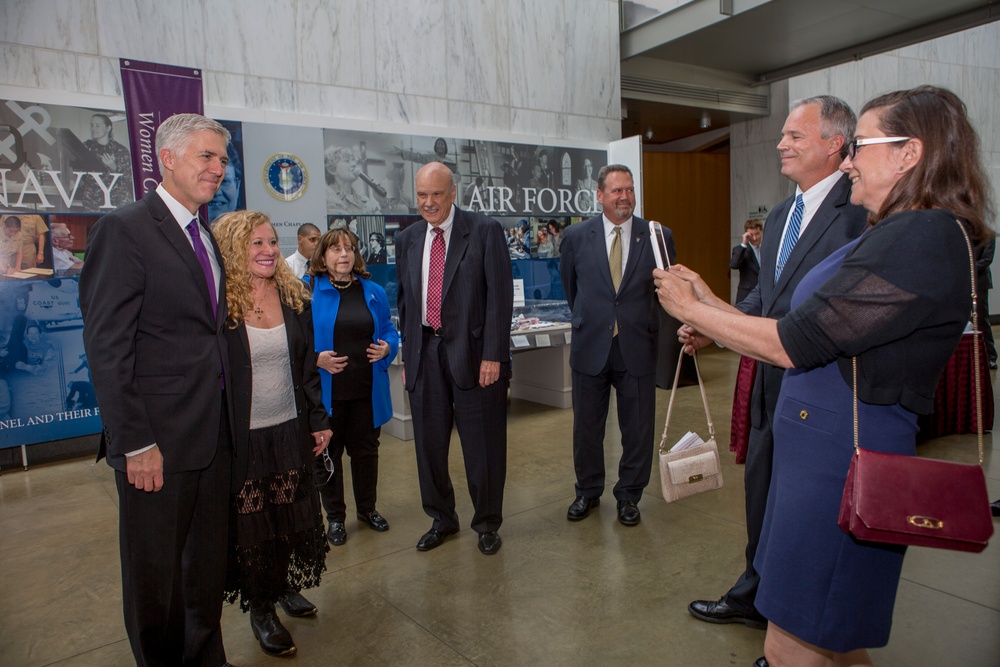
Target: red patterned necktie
{"x": 435, "y": 280}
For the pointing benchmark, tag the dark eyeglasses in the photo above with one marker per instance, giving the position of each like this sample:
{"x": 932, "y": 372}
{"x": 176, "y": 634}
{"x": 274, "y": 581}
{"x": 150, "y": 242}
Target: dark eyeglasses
{"x": 854, "y": 145}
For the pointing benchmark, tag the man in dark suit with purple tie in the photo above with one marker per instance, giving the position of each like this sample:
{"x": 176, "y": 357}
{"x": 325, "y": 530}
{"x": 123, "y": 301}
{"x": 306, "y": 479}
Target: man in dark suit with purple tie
{"x": 455, "y": 298}
{"x": 153, "y": 297}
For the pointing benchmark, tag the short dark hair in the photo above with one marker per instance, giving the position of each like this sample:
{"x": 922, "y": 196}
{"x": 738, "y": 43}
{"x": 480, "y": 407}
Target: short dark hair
{"x": 752, "y": 223}
{"x": 317, "y": 263}
{"x": 307, "y": 228}
{"x": 602, "y": 175}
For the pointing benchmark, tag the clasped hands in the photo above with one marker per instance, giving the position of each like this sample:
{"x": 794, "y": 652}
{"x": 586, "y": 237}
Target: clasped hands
{"x": 331, "y": 363}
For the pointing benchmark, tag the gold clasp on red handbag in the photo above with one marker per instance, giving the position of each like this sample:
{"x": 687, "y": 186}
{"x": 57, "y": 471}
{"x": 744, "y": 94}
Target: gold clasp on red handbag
{"x": 925, "y": 522}
{"x": 696, "y": 478}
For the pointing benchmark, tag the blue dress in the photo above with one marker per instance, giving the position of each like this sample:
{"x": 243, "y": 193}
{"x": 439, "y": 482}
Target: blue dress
{"x": 817, "y": 582}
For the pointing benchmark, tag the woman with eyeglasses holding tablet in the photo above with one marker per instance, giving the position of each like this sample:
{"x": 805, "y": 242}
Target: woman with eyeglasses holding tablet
{"x": 898, "y": 300}
{"x": 355, "y": 341}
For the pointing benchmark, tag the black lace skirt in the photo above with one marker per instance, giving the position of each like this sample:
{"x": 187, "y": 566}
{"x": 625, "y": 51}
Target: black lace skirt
{"x": 277, "y": 538}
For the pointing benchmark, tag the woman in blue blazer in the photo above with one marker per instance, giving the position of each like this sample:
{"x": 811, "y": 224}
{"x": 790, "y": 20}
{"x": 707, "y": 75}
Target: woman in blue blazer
{"x": 355, "y": 342}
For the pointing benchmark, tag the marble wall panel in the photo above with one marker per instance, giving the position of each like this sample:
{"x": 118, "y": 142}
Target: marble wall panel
{"x": 592, "y": 61}
{"x": 64, "y": 25}
{"x": 538, "y": 123}
{"x": 256, "y": 38}
{"x": 876, "y": 76}
{"x": 979, "y": 93}
{"x": 477, "y": 117}
{"x": 590, "y": 128}
{"x": 410, "y": 49}
{"x": 334, "y": 43}
{"x": 98, "y": 76}
{"x": 982, "y": 46}
{"x": 37, "y": 68}
{"x": 227, "y": 90}
{"x": 538, "y": 60}
{"x": 411, "y": 109}
{"x": 269, "y": 94}
{"x": 152, "y": 30}
{"x": 478, "y": 45}
{"x": 336, "y": 101}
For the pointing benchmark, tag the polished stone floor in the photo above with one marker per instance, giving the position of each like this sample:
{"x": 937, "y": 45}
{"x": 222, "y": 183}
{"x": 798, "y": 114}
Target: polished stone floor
{"x": 558, "y": 593}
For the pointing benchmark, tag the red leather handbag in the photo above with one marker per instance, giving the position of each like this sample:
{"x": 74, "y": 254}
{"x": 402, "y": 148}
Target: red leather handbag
{"x": 898, "y": 499}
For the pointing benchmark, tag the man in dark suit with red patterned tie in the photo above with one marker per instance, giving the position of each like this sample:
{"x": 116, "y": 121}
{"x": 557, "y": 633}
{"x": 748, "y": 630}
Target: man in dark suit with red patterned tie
{"x": 455, "y": 298}
{"x": 153, "y": 297}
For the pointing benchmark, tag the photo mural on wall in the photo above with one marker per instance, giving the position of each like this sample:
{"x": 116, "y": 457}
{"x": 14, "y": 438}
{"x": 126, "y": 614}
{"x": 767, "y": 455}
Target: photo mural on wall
{"x": 62, "y": 167}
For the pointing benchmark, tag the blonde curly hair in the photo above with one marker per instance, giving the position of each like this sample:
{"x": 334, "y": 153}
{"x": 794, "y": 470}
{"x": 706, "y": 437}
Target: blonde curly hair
{"x": 234, "y": 231}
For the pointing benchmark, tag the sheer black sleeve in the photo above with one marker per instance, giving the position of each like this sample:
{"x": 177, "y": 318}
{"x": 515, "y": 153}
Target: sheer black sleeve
{"x": 910, "y": 272}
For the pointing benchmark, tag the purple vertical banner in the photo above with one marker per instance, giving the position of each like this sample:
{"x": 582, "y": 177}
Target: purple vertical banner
{"x": 153, "y": 93}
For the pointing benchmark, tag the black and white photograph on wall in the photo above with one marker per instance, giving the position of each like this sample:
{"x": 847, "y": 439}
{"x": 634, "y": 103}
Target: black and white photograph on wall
{"x": 520, "y": 179}
{"x": 55, "y": 158}
{"x": 366, "y": 174}
{"x": 232, "y": 194}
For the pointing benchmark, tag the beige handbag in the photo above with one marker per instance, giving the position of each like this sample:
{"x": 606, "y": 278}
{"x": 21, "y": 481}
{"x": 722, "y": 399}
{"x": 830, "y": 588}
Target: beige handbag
{"x": 696, "y": 468}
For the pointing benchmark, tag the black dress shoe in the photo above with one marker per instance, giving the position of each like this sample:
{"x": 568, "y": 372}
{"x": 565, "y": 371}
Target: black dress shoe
{"x": 628, "y": 513}
{"x": 760, "y": 662}
{"x": 720, "y": 612}
{"x": 490, "y": 542}
{"x": 374, "y": 521}
{"x": 432, "y": 539}
{"x": 295, "y": 605}
{"x": 273, "y": 637}
{"x": 581, "y": 508}
{"x": 336, "y": 533}
{"x": 995, "y": 507}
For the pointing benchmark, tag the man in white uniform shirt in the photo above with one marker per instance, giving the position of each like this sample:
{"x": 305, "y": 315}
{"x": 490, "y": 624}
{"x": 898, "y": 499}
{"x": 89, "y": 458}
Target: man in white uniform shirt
{"x": 308, "y": 238}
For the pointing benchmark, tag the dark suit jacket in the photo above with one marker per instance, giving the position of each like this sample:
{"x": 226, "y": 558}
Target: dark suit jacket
{"x": 586, "y": 279}
{"x": 835, "y": 223}
{"x": 156, "y": 352}
{"x": 476, "y": 301}
{"x": 744, "y": 260}
{"x": 305, "y": 379}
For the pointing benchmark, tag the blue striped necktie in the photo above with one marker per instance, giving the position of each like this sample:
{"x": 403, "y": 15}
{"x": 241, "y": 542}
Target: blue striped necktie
{"x": 791, "y": 236}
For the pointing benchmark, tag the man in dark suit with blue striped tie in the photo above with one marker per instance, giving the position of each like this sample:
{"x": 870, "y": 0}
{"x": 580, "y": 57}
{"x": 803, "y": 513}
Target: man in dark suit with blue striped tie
{"x": 799, "y": 233}
{"x": 455, "y": 297}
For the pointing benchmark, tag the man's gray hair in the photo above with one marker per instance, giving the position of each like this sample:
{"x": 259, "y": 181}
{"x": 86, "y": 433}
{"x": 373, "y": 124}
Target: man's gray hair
{"x": 836, "y": 117}
{"x": 175, "y": 132}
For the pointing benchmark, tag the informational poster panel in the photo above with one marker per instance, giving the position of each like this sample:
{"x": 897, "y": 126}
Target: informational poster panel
{"x": 62, "y": 167}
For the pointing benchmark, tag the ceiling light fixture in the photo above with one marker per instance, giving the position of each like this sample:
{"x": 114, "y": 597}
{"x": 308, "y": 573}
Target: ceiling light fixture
{"x": 705, "y": 121}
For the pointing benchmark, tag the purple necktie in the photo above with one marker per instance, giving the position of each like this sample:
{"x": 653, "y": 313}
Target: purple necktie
{"x": 206, "y": 266}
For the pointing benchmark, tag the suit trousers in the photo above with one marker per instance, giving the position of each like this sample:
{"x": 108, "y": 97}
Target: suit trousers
{"x": 480, "y": 414}
{"x": 756, "y": 482}
{"x": 636, "y": 398}
{"x": 174, "y": 545}
{"x": 351, "y": 422}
